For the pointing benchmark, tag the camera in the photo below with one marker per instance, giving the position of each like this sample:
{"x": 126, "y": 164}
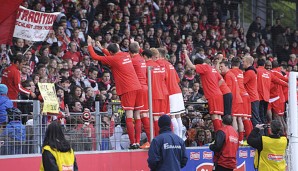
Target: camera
{"x": 266, "y": 126}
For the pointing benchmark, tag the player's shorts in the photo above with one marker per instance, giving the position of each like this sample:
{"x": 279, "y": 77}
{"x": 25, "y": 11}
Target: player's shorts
{"x": 237, "y": 109}
{"x": 145, "y": 108}
{"x": 131, "y": 100}
{"x": 277, "y": 107}
{"x": 176, "y": 104}
{"x": 246, "y": 106}
{"x": 166, "y": 105}
{"x": 215, "y": 104}
{"x": 158, "y": 108}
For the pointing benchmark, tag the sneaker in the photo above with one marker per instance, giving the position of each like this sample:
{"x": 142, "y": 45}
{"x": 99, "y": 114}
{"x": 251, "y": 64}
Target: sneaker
{"x": 145, "y": 145}
{"x": 134, "y": 146}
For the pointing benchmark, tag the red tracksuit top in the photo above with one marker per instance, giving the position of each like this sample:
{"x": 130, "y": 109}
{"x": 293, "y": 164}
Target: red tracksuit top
{"x": 232, "y": 83}
{"x": 250, "y": 84}
{"x": 277, "y": 89}
{"x": 11, "y": 77}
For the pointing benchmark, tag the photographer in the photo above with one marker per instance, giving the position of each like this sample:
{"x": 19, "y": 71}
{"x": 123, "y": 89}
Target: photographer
{"x": 271, "y": 149}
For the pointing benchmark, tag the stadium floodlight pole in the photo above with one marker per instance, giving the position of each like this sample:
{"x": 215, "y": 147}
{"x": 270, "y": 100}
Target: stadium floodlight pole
{"x": 293, "y": 118}
{"x": 150, "y": 102}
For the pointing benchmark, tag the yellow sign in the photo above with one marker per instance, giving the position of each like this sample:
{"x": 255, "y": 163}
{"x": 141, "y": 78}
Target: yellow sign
{"x": 49, "y": 96}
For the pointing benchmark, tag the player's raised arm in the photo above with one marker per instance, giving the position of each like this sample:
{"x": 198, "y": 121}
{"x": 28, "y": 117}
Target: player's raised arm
{"x": 188, "y": 62}
{"x": 91, "y": 50}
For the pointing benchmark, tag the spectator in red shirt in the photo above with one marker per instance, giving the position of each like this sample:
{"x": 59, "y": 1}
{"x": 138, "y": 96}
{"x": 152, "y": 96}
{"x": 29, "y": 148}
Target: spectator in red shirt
{"x": 12, "y": 78}
{"x": 210, "y": 88}
{"x": 73, "y": 53}
{"x": 251, "y": 86}
{"x": 127, "y": 83}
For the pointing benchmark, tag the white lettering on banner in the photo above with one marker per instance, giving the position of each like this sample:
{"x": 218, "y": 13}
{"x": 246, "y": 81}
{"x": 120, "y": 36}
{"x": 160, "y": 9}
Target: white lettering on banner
{"x": 194, "y": 155}
{"x": 207, "y": 155}
{"x": 33, "y": 25}
{"x": 243, "y": 154}
{"x": 168, "y": 146}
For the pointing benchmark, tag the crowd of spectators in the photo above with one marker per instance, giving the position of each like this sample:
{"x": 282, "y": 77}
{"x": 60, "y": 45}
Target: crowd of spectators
{"x": 201, "y": 28}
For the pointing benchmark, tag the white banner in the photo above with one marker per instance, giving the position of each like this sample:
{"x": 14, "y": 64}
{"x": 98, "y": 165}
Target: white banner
{"x": 33, "y": 25}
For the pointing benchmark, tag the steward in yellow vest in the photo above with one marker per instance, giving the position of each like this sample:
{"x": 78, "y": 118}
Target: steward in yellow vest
{"x": 270, "y": 150}
{"x": 57, "y": 155}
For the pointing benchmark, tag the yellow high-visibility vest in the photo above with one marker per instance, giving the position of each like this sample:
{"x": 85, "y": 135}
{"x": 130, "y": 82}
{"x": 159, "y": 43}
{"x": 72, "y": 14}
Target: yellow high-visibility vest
{"x": 272, "y": 157}
{"x": 64, "y": 160}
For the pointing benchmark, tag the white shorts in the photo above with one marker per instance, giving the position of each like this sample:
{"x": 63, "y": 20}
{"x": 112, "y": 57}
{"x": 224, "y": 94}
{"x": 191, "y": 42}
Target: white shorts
{"x": 176, "y": 104}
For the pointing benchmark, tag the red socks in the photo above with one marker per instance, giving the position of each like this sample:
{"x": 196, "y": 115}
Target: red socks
{"x": 156, "y": 128}
{"x": 146, "y": 125}
{"x": 217, "y": 124}
{"x": 130, "y": 130}
{"x": 241, "y": 134}
{"x": 247, "y": 127}
{"x": 138, "y": 128}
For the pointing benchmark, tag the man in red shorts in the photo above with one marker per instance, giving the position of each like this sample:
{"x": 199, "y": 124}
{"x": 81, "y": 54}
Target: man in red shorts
{"x": 277, "y": 98}
{"x": 210, "y": 88}
{"x": 157, "y": 77}
{"x": 237, "y": 102}
{"x": 246, "y": 107}
{"x": 141, "y": 115}
{"x": 176, "y": 102}
{"x": 127, "y": 84}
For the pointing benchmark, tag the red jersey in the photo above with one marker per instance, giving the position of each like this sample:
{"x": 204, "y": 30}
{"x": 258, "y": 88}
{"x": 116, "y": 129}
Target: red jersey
{"x": 264, "y": 81}
{"x": 231, "y": 81}
{"x": 172, "y": 81}
{"x": 126, "y": 79}
{"x": 140, "y": 67}
{"x": 157, "y": 76}
{"x": 165, "y": 72}
{"x": 223, "y": 86}
{"x": 76, "y": 57}
{"x": 209, "y": 81}
{"x": 239, "y": 75}
{"x": 250, "y": 84}
{"x": 276, "y": 89}
{"x": 11, "y": 77}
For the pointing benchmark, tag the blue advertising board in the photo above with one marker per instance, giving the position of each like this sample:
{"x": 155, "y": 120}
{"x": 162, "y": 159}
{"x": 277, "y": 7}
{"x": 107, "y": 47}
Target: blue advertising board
{"x": 200, "y": 159}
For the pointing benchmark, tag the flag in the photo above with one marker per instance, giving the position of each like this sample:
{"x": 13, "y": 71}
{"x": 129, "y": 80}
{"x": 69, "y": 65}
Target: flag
{"x": 8, "y": 13}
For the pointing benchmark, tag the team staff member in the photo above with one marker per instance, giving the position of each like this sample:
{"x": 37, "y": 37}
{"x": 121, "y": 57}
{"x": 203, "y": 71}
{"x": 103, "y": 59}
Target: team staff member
{"x": 140, "y": 67}
{"x": 127, "y": 83}
{"x": 175, "y": 95}
{"x": 271, "y": 150}
{"x": 226, "y": 146}
{"x": 167, "y": 151}
{"x": 237, "y": 103}
{"x": 11, "y": 77}
{"x": 210, "y": 88}
{"x": 56, "y": 151}
{"x": 251, "y": 86}
{"x": 246, "y": 106}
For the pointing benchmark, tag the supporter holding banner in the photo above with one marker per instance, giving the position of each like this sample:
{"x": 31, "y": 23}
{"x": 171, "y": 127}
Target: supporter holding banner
{"x": 33, "y": 25}
{"x": 49, "y": 96}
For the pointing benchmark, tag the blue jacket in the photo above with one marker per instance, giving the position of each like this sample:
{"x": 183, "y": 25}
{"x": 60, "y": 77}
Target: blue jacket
{"x": 5, "y": 103}
{"x": 15, "y": 130}
{"x": 167, "y": 152}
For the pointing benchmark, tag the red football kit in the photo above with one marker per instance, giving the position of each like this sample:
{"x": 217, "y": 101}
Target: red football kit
{"x": 223, "y": 86}
{"x": 231, "y": 81}
{"x": 11, "y": 77}
{"x": 126, "y": 80}
{"x": 211, "y": 88}
{"x": 140, "y": 67}
{"x": 157, "y": 77}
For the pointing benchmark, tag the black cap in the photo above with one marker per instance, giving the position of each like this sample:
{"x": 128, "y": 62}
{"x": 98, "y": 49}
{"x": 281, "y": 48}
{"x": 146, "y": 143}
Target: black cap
{"x": 164, "y": 120}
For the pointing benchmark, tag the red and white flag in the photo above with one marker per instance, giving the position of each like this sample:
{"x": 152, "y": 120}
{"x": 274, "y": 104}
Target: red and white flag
{"x": 8, "y": 13}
